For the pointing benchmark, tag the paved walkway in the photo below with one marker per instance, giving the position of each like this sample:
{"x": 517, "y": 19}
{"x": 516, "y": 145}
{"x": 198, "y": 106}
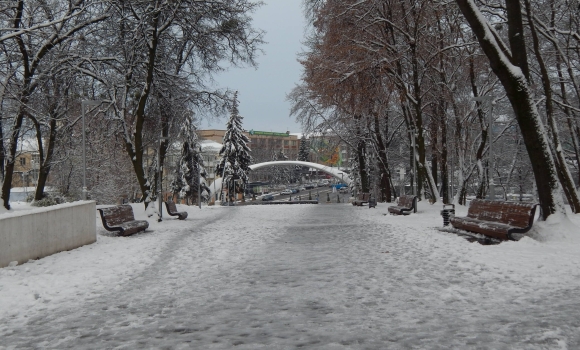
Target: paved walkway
{"x": 325, "y": 280}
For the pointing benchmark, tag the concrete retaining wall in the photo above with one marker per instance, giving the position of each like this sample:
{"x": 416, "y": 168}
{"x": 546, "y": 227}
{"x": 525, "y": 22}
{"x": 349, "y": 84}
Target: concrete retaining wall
{"x": 36, "y": 233}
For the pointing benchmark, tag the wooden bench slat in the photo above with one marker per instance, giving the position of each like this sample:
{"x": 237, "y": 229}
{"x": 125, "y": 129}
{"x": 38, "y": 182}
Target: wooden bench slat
{"x": 118, "y": 214}
{"x": 488, "y": 228}
{"x": 404, "y": 206}
{"x": 121, "y": 219}
{"x": 361, "y": 199}
{"x": 511, "y": 213}
{"x": 172, "y": 210}
{"x": 497, "y": 219}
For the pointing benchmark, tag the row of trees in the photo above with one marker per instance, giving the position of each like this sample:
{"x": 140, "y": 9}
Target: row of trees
{"x": 148, "y": 64}
{"x": 384, "y": 75}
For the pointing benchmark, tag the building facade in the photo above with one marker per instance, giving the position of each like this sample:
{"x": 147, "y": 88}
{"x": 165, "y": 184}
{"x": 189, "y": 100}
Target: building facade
{"x": 264, "y": 144}
{"x": 27, "y": 164}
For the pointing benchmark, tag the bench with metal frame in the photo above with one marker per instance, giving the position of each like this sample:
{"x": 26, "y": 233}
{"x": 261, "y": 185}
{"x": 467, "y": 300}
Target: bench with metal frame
{"x": 172, "y": 210}
{"x": 404, "y": 206}
{"x": 121, "y": 219}
{"x": 361, "y": 199}
{"x": 497, "y": 219}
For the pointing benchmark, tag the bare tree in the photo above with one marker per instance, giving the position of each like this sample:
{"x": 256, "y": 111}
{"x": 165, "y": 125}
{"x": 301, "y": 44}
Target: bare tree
{"x": 36, "y": 30}
{"x": 156, "y": 62}
{"x": 512, "y": 69}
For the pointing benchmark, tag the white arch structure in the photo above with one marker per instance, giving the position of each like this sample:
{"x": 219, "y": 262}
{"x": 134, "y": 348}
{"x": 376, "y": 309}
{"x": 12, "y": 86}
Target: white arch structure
{"x": 335, "y": 172}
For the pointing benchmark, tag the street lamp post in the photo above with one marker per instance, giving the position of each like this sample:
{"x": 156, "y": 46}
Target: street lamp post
{"x": 83, "y": 104}
{"x": 489, "y": 131}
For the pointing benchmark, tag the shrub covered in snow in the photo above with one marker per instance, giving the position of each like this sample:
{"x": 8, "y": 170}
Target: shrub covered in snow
{"x": 50, "y": 198}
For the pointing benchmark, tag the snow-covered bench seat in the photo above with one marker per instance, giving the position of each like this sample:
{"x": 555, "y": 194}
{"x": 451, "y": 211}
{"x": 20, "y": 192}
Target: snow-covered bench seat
{"x": 121, "y": 219}
{"x": 172, "y": 210}
{"x": 497, "y": 219}
{"x": 361, "y": 199}
{"x": 404, "y": 206}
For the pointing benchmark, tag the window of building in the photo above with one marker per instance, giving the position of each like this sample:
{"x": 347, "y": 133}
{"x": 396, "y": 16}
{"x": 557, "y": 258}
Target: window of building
{"x": 286, "y": 143}
{"x": 22, "y": 161}
{"x": 293, "y": 143}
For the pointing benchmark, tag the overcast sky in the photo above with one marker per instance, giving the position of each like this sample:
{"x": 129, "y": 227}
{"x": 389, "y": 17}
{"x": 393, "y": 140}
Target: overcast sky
{"x": 262, "y": 92}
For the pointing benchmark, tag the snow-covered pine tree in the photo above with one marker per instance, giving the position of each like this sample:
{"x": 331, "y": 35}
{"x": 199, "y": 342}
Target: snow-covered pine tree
{"x": 190, "y": 172}
{"x": 303, "y": 154}
{"x": 304, "y": 151}
{"x": 235, "y": 156}
{"x": 354, "y": 165}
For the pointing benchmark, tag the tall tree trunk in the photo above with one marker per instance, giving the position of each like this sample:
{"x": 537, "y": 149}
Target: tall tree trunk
{"x": 442, "y": 114}
{"x": 563, "y": 172}
{"x": 45, "y": 156}
{"x": 2, "y": 149}
{"x": 2, "y": 146}
{"x": 570, "y": 118}
{"x": 434, "y": 143}
{"x": 418, "y": 123}
{"x": 361, "y": 157}
{"x": 513, "y": 78}
{"x": 444, "y": 169}
{"x": 19, "y": 119}
{"x": 46, "y": 153}
{"x": 480, "y": 194}
{"x": 12, "y": 148}
{"x": 137, "y": 150}
{"x": 384, "y": 173}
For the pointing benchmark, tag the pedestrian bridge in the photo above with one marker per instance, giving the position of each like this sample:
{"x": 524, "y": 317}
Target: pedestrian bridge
{"x": 334, "y": 172}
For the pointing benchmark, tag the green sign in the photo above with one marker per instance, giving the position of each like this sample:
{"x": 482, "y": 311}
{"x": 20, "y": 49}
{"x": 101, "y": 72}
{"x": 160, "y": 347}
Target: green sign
{"x": 268, "y": 133}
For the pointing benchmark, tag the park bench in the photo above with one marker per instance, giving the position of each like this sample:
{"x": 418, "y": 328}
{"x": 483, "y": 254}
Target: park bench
{"x": 404, "y": 205}
{"x": 361, "y": 199}
{"x": 121, "y": 219}
{"x": 497, "y": 219}
{"x": 172, "y": 210}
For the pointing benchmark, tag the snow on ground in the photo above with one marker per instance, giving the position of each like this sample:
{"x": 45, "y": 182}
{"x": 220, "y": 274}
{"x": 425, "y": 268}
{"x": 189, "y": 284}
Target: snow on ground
{"x": 41, "y": 285}
{"x": 327, "y": 276}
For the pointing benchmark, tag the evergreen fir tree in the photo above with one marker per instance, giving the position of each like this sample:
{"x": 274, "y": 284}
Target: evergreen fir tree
{"x": 355, "y": 184}
{"x": 304, "y": 151}
{"x": 235, "y": 156}
{"x": 190, "y": 171}
{"x": 303, "y": 155}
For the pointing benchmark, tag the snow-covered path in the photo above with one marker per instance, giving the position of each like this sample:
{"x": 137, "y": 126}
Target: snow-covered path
{"x": 321, "y": 277}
